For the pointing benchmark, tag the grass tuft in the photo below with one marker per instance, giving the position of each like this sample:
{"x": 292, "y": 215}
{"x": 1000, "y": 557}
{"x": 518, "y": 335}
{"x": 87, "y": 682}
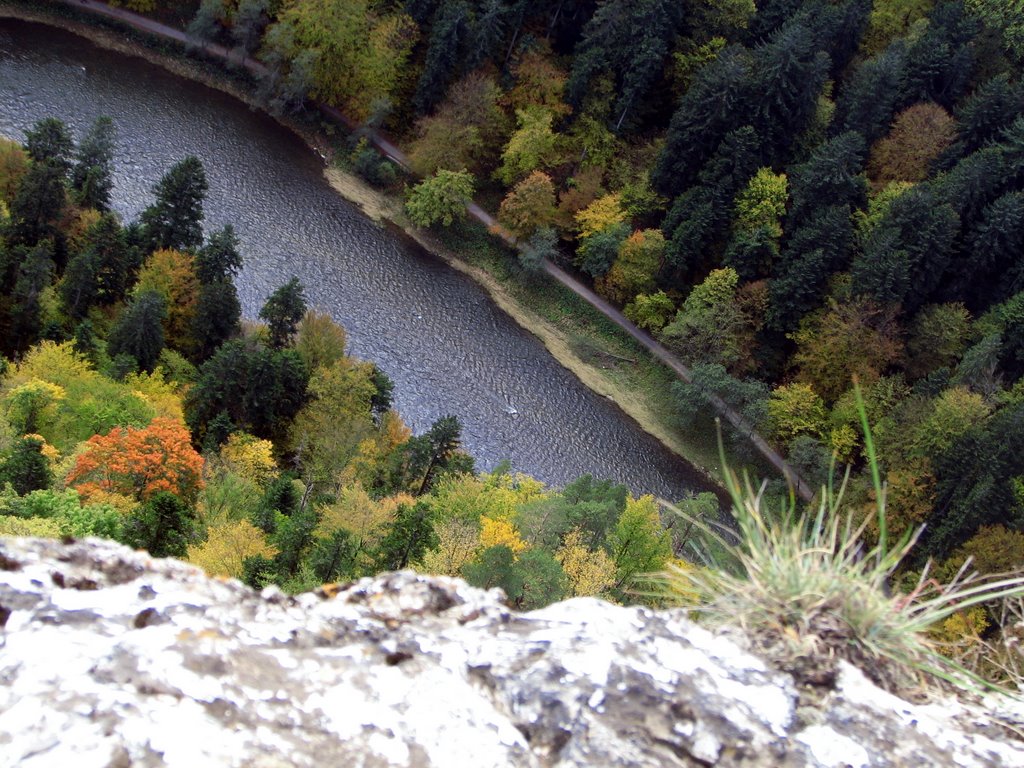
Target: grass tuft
{"x": 809, "y": 588}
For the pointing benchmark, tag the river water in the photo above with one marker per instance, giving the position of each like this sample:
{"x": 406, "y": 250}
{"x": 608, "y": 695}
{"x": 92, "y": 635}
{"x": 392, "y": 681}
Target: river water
{"x": 448, "y": 349}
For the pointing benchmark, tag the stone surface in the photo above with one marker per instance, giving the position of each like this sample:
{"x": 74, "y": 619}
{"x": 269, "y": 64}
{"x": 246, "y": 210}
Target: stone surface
{"x": 112, "y": 658}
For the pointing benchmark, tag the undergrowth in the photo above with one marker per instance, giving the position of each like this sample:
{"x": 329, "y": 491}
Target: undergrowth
{"x": 810, "y": 587}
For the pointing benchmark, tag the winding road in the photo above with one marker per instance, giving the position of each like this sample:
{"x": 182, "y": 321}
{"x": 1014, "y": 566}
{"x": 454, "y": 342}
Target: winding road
{"x": 392, "y": 151}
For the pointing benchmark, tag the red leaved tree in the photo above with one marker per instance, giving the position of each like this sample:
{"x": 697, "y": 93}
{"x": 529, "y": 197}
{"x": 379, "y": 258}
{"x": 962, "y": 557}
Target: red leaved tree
{"x": 140, "y": 462}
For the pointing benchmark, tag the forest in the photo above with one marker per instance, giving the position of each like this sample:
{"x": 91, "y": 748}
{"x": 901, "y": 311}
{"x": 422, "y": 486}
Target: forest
{"x": 137, "y": 404}
{"x": 792, "y": 195}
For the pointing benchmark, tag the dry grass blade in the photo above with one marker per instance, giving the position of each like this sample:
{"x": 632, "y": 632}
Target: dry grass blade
{"x": 813, "y": 588}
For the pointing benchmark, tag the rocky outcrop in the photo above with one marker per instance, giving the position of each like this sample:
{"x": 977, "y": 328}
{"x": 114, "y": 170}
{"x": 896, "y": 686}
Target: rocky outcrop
{"x": 112, "y": 658}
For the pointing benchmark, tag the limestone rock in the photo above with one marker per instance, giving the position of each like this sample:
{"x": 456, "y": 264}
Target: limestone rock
{"x": 112, "y": 658}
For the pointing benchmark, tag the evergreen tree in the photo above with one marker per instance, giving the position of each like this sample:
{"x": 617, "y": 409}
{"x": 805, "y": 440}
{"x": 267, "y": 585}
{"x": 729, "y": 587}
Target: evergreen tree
{"x": 283, "y": 311}
{"x": 219, "y": 260}
{"x": 139, "y": 332}
{"x": 334, "y": 558}
{"x": 163, "y": 526}
{"x": 78, "y": 288}
{"x": 409, "y": 536}
{"x": 630, "y": 39}
{"x": 175, "y": 219}
{"x": 830, "y": 176}
{"x": 717, "y": 101}
{"x": 37, "y": 205}
{"x": 812, "y": 254}
{"x": 34, "y": 275}
{"x": 25, "y": 467}
{"x": 907, "y": 254}
{"x": 447, "y": 39}
{"x": 48, "y": 142}
{"x": 787, "y": 76}
{"x": 985, "y": 114}
{"x": 217, "y": 318}
{"x": 260, "y": 390}
{"x": 92, "y": 175}
{"x": 873, "y": 94}
{"x": 293, "y": 538}
{"x": 113, "y": 259}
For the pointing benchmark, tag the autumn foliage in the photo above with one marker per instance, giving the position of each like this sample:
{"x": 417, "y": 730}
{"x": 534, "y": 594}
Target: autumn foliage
{"x": 140, "y": 462}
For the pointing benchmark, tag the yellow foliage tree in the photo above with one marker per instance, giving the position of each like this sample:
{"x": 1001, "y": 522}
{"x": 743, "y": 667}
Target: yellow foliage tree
{"x": 227, "y": 546}
{"x": 172, "y": 274}
{"x": 589, "y": 572}
{"x": 250, "y": 458}
{"x": 458, "y": 542}
{"x": 500, "y": 533}
{"x": 599, "y": 215}
{"x": 496, "y": 495}
{"x": 158, "y": 392}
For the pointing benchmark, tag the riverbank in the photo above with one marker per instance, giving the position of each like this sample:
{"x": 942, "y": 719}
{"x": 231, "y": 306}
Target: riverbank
{"x": 579, "y": 338}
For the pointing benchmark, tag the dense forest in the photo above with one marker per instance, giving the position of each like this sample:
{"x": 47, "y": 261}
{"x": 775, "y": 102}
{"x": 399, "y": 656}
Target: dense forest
{"x": 789, "y": 195}
{"x": 136, "y": 404}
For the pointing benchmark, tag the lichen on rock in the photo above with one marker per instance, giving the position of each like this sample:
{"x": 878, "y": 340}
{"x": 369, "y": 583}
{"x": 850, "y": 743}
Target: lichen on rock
{"x": 110, "y": 657}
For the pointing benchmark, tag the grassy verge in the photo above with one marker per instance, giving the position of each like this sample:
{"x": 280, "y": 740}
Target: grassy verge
{"x": 603, "y": 357}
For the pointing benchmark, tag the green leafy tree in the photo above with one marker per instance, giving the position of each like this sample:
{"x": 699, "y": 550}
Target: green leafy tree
{"x": 651, "y": 312}
{"x": 639, "y": 544}
{"x": 533, "y": 146}
{"x": 598, "y": 251}
{"x": 335, "y": 558}
{"x": 529, "y": 206}
{"x": 707, "y": 327}
{"x": 796, "y": 409}
{"x": 283, "y": 311}
{"x": 440, "y": 199}
{"x": 175, "y": 220}
{"x": 639, "y": 259}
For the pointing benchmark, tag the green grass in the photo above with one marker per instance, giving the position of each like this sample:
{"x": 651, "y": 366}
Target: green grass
{"x": 810, "y": 587}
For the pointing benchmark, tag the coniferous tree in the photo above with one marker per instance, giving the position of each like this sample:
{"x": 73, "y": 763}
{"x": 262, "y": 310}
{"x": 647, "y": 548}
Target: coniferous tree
{"x": 49, "y": 142}
{"x": 283, "y": 311}
{"x": 92, "y": 175}
{"x": 717, "y": 101}
{"x": 34, "y": 275}
{"x": 25, "y": 467}
{"x": 139, "y": 332}
{"x": 175, "y": 220}
{"x": 163, "y": 526}
{"x": 37, "y": 205}
{"x": 447, "y": 38}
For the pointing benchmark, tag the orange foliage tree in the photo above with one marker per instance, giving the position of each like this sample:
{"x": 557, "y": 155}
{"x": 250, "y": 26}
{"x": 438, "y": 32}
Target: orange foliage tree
{"x": 140, "y": 462}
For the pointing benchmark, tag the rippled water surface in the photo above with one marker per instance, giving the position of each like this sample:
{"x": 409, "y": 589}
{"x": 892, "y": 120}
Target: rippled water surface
{"x": 447, "y": 347}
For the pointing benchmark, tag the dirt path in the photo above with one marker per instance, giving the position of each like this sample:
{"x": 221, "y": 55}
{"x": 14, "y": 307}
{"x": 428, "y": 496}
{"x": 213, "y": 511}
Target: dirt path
{"x": 391, "y": 150}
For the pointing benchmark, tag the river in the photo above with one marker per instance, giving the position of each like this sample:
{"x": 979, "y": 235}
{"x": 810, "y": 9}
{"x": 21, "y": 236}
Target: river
{"x": 448, "y": 349}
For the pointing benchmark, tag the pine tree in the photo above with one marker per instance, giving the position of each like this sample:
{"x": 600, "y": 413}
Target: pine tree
{"x": 49, "y": 142}
{"x": 139, "y": 332}
{"x": 92, "y": 175}
{"x": 447, "y": 39}
{"x": 283, "y": 310}
{"x": 175, "y": 220}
